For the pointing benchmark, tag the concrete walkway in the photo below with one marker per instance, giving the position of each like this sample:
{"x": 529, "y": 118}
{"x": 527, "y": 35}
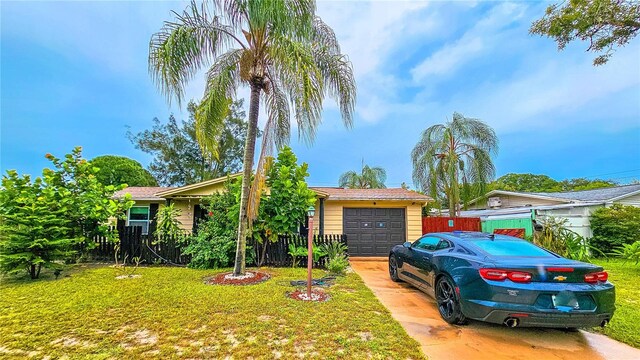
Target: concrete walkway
{"x": 419, "y": 315}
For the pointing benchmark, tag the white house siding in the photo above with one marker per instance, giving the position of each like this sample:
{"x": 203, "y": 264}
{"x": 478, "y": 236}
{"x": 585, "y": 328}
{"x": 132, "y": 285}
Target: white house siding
{"x": 577, "y": 218}
{"x": 631, "y": 200}
{"x": 512, "y": 201}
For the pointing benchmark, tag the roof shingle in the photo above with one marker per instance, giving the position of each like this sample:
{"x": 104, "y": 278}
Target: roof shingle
{"x": 371, "y": 194}
{"x": 595, "y": 194}
{"x": 142, "y": 192}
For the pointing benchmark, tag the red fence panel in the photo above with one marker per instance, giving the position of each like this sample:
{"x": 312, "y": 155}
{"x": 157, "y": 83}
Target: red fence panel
{"x": 511, "y": 232}
{"x": 446, "y": 224}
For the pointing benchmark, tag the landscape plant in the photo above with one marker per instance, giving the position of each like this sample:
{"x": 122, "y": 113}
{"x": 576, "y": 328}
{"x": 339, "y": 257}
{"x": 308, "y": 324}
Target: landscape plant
{"x": 168, "y": 223}
{"x": 628, "y": 252}
{"x": 453, "y": 161}
{"x": 48, "y": 221}
{"x": 118, "y": 170}
{"x": 614, "y": 227}
{"x": 284, "y": 207}
{"x": 296, "y": 253}
{"x": 288, "y": 57}
{"x": 557, "y": 238}
{"x": 368, "y": 178}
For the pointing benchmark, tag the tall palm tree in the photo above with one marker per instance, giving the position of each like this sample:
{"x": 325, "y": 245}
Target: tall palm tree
{"x": 369, "y": 178}
{"x": 288, "y": 57}
{"x": 454, "y": 154}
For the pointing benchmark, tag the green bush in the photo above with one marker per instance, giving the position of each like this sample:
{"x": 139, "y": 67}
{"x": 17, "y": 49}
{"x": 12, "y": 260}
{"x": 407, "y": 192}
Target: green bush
{"x": 629, "y": 252}
{"x": 214, "y": 244}
{"x": 337, "y": 264}
{"x": 562, "y": 241}
{"x": 614, "y": 227}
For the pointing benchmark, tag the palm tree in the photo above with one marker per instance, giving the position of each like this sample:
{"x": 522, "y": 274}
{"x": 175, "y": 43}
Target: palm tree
{"x": 453, "y": 154}
{"x": 288, "y": 57}
{"x": 369, "y": 178}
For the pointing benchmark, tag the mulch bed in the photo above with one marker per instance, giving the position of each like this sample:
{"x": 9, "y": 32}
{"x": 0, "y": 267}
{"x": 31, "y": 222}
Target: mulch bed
{"x": 316, "y": 295}
{"x": 228, "y": 279}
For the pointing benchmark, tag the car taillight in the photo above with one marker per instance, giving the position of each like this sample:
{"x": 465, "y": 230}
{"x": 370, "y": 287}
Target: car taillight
{"x": 500, "y": 275}
{"x": 595, "y": 277}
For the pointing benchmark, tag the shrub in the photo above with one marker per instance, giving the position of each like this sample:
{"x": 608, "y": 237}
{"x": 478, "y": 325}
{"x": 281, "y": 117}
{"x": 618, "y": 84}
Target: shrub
{"x": 614, "y": 227}
{"x": 334, "y": 248}
{"x": 337, "y": 264}
{"x": 562, "y": 241}
{"x": 168, "y": 223}
{"x": 629, "y": 252}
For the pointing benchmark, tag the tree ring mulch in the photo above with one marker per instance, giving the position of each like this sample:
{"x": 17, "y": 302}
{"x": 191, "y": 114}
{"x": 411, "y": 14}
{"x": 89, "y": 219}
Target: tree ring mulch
{"x": 227, "y": 278}
{"x": 317, "y": 295}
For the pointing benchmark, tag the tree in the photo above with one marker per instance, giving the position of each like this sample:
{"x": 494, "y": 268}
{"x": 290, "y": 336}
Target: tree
{"x": 605, "y": 24}
{"x": 118, "y": 170}
{"x": 285, "y": 207}
{"x": 177, "y": 157}
{"x": 452, "y": 156}
{"x": 525, "y": 183}
{"x": 579, "y": 184}
{"x": 369, "y": 178}
{"x": 34, "y": 231}
{"x": 48, "y": 220}
{"x": 289, "y": 58}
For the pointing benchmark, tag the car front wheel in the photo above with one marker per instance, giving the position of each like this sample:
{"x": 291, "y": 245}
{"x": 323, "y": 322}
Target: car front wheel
{"x": 393, "y": 268}
{"x": 449, "y": 301}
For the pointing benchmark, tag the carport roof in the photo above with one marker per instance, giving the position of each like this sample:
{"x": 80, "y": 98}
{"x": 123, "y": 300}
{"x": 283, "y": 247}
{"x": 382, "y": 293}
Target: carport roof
{"x": 336, "y": 193}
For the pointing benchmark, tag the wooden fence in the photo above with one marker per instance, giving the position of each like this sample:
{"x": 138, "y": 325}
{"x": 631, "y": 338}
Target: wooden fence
{"x": 277, "y": 253}
{"x": 169, "y": 250}
{"x": 133, "y": 244}
{"x": 432, "y": 224}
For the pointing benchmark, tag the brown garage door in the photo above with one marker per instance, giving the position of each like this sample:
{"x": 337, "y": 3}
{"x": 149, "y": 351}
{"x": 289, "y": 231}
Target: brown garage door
{"x": 373, "y": 231}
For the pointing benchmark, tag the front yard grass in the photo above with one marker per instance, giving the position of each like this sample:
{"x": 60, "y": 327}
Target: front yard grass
{"x": 171, "y": 313}
{"x": 625, "y": 325}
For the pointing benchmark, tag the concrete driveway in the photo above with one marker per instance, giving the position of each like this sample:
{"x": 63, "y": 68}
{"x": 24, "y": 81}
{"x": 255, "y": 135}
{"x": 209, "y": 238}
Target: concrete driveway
{"x": 419, "y": 315}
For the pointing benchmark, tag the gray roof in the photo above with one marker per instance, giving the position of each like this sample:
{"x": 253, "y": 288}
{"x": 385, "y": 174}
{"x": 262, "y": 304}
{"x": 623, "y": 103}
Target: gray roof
{"x": 603, "y": 194}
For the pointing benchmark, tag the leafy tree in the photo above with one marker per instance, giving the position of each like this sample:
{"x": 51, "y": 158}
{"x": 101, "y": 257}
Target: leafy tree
{"x": 177, "y": 157}
{"x": 369, "y": 178}
{"x": 288, "y": 57}
{"x": 168, "y": 222}
{"x": 118, "y": 170}
{"x": 46, "y": 221}
{"x": 285, "y": 207}
{"x": 579, "y": 184}
{"x": 451, "y": 157}
{"x": 525, "y": 183}
{"x": 614, "y": 227}
{"x": 34, "y": 231}
{"x": 605, "y": 24}
{"x": 92, "y": 203}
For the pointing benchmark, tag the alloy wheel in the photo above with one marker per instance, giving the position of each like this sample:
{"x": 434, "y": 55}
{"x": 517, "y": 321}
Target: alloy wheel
{"x": 446, "y": 298}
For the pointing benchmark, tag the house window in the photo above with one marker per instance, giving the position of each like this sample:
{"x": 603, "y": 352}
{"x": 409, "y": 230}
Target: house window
{"x": 139, "y": 216}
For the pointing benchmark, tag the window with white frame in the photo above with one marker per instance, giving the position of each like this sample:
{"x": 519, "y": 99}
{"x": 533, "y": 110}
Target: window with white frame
{"x": 139, "y": 216}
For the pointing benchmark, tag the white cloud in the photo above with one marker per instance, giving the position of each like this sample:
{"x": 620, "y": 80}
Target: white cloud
{"x": 478, "y": 40}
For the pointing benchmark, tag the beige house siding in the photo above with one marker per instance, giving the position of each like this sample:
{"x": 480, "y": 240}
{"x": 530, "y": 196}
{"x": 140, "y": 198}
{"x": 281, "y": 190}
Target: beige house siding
{"x": 512, "y": 201}
{"x": 203, "y": 191}
{"x": 333, "y": 215}
{"x": 186, "y": 212}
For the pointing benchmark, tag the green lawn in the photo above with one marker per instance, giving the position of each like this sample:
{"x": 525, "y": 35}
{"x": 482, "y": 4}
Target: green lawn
{"x": 171, "y": 313}
{"x": 625, "y": 323}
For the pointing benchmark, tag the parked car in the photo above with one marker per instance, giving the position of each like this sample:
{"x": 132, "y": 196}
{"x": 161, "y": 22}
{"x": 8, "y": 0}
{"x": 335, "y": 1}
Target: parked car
{"x": 503, "y": 280}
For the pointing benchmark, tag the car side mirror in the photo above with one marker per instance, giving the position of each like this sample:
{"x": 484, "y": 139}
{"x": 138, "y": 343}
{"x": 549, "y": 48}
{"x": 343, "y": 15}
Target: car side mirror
{"x": 407, "y": 244}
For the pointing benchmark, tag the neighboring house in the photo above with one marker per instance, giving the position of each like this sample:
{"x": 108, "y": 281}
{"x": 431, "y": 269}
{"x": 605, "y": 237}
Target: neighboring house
{"x": 575, "y": 206}
{"x": 373, "y": 219}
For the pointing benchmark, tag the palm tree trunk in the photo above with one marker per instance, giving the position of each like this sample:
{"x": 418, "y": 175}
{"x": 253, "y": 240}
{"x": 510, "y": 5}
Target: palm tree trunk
{"x": 249, "y": 150}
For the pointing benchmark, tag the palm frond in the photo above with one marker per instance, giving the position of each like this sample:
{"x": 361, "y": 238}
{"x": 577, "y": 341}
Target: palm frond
{"x": 222, "y": 81}
{"x": 182, "y": 47}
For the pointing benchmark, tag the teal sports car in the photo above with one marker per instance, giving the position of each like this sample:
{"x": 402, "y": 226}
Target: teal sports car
{"x": 504, "y": 280}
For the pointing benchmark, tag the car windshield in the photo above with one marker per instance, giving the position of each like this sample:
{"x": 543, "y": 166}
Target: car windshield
{"x": 511, "y": 248}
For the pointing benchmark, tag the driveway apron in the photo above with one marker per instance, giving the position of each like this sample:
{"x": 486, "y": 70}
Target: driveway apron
{"x": 419, "y": 316}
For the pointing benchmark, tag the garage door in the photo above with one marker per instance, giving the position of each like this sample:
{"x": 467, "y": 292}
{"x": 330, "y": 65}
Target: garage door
{"x": 373, "y": 231}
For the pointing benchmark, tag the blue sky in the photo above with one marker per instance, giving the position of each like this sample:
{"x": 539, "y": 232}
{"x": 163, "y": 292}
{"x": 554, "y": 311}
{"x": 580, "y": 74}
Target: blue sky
{"x": 75, "y": 73}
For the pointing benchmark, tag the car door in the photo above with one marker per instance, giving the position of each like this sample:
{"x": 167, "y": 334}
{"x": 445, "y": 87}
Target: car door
{"x": 421, "y": 261}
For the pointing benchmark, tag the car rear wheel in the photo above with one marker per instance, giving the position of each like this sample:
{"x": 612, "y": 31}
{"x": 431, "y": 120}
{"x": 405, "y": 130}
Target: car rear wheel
{"x": 393, "y": 268}
{"x": 449, "y": 301}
